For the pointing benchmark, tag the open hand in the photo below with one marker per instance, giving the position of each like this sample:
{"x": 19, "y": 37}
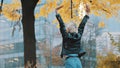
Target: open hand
{"x": 58, "y": 8}
{"x": 87, "y": 9}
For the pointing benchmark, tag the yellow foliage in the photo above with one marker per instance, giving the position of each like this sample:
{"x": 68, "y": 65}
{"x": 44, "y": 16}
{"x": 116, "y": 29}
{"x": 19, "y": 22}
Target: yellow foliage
{"x": 47, "y": 8}
{"x": 54, "y": 21}
{"x": 106, "y": 7}
{"x": 66, "y": 11}
{"x": 97, "y": 13}
{"x": 101, "y": 25}
{"x": 58, "y": 26}
{"x": 98, "y": 7}
{"x": 10, "y": 10}
{"x": 109, "y": 61}
{"x": 43, "y": 11}
{"x": 37, "y": 15}
{"x": 113, "y": 1}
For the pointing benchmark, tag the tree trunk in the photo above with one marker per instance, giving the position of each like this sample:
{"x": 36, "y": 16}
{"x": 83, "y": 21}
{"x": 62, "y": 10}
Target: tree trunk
{"x": 28, "y": 19}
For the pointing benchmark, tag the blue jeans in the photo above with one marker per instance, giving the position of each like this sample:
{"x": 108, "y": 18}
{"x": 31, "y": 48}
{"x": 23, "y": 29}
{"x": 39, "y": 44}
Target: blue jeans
{"x": 73, "y": 62}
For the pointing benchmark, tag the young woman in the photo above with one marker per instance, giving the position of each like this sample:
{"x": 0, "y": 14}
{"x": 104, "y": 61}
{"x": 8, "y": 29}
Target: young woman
{"x": 71, "y": 48}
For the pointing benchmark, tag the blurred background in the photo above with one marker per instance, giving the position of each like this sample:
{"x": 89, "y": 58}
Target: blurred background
{"x": 101, "y": 38}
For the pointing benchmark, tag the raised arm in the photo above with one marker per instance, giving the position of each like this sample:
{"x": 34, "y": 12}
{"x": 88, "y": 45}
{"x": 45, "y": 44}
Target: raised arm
{"x": 62, "y": 25}
{"x": 84, "y": 21}
{"x": 82, "y": 25}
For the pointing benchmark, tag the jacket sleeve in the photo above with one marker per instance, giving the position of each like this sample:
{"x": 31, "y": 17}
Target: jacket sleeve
{"x": 82, "y": 24}
{"x": 62, "y": 25}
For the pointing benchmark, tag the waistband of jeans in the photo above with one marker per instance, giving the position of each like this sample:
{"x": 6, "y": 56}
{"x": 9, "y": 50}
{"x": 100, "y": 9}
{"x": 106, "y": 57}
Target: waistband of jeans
{"x": 72, "y": 55}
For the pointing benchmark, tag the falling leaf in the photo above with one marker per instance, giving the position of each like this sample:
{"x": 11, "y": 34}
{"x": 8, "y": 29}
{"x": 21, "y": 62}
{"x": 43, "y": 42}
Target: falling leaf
{"x": 101, "y": 25}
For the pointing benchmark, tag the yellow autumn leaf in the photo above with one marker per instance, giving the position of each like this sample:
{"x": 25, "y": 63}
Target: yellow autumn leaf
{"x": 58, "y": 26}
{"x": 37, "y": 15}
{"x": 54, "y": 21}
{"x": 101, "y": 25}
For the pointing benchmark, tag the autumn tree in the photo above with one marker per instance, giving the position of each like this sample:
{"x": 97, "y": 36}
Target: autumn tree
{"x": 108, "y": 8}
{"x": 29, "y": 32}
{"x": 12, "y": 13}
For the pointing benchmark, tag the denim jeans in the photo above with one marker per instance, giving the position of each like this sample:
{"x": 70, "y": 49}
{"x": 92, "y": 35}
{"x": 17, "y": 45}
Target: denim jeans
{"x": 73, "y": 62}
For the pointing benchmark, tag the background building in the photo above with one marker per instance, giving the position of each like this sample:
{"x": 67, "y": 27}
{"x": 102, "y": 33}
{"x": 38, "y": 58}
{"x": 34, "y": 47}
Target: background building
{"x": 108, "y": 42}
{"x": 89, "y": 43}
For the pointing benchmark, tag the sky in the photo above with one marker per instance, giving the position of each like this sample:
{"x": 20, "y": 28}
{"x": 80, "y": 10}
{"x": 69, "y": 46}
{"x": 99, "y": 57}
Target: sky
{"x": 113, "y": 24}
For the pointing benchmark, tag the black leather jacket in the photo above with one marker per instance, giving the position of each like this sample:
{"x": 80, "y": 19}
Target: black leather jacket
{"x": 71, "y": 41}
